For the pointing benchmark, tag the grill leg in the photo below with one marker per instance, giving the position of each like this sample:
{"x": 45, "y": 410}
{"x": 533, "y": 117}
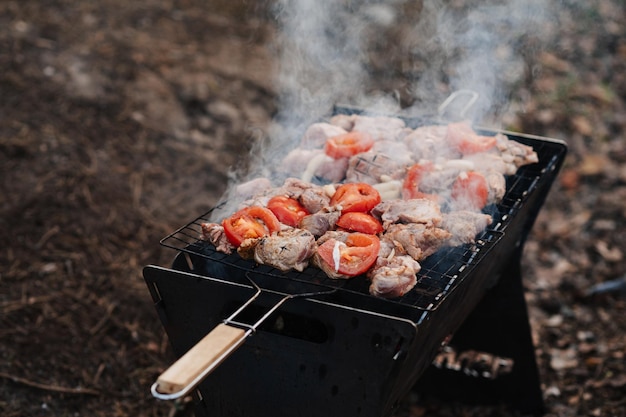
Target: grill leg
{"x": 499, "y": 326}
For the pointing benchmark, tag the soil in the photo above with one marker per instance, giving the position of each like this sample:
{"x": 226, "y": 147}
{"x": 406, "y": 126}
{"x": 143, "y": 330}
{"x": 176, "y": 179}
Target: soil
{"x": 120, "y": 121}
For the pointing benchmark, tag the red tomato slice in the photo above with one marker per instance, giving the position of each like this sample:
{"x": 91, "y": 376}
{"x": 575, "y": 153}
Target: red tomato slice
{"x": 360, "y": 222}
{"x": 348, "y": 144}
{"x": 470, "y": 190}
{"x": 356, "y": 196}
{"x": 354, "y": 257}
{"x": 467, "y": 141}
{"x": 250, "y": 222}
{"x": 410, "y": 187}
{"x": 288, "y": 210}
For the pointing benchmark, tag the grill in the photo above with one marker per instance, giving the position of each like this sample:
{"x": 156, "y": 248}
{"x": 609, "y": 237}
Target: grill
{"x": 326, "y": 347}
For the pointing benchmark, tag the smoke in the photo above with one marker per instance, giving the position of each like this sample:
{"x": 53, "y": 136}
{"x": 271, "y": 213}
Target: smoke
{"x": 482, "y": 49}
{"x": 394, "y": 56}
{"x": 331, "y": 52}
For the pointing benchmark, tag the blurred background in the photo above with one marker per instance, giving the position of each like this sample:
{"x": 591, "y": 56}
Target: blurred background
{"x": 121, "y": 121}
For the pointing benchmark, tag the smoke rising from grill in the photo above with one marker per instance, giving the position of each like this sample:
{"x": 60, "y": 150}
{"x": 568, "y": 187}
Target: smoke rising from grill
{"x": 352, "y": 52}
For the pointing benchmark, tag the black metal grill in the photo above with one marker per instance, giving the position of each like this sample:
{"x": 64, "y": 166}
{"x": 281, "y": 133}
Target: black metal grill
{"x": 375, "y": 348}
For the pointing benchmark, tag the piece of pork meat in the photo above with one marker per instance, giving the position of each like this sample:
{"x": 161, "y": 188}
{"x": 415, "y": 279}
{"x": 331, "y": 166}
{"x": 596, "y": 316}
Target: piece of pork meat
{"x": 496, "y": 184}
{"x": 429, "y": 142}
{"x": 214, "y": 234}
{"x": 312, "y": 197}
{"x": 515, "y": 152}
{"x": 287, "y": 249}
{"x": 419, "y": 210}
{"x": 375, "y": 167}
{"x": 320, "y": 222}
{"x": 380, "y": 127}
{"x": 344, "y": 121}
{"x": 393, "y": 276}
{"x": 418, "y": 240}
{"x": 317, "y": 134}
{"x": 464, "y": 225}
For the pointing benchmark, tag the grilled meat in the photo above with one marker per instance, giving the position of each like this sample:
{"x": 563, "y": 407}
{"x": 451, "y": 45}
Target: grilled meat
{"x": 419, "y": 210}
{"x": 288, "y": 249}
{"x": 214, "y": 233}
{"x": 416, "y": 239}
{"x": 464, "y": 225}
{"x": 318, "y": 133}
{"x": 393, "y": 276}
{"x": 320, "y": 222}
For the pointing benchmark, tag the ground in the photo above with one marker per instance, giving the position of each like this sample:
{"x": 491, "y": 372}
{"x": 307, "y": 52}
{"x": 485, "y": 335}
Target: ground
{"x": 120, "y": 121}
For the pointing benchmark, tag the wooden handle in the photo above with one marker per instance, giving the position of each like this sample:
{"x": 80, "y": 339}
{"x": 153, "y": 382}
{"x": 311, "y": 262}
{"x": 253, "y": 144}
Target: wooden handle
{"x": 204, "y": 354}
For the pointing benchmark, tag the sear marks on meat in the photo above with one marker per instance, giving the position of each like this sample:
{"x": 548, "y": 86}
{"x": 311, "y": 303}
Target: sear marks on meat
{"x": 320, "y": 222}
{"x": 419, "y": 210}
{"x": 393, "y": 276}
{"x": 464, "y": 225}
{"x": 417, "y": 240}
{"x": 214, "y": 233}
{"x": 287, "y": 249}
{"x": 388, "y": 160}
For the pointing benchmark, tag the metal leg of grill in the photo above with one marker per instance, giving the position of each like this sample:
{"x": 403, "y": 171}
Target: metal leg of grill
{"x": 499, "y": 327}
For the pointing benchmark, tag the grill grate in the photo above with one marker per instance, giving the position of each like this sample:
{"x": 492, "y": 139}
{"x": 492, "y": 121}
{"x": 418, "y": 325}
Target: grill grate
{"x": 441, "y": 273}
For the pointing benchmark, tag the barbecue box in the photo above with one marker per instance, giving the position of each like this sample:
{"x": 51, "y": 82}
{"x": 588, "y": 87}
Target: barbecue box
{"x": 312, "y": 346}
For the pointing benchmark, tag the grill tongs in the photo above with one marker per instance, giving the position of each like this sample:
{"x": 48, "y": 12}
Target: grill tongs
{"x": 205, "y": 356}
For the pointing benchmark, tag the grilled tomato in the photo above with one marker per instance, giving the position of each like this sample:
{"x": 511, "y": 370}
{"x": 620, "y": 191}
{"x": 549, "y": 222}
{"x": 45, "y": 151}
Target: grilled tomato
{"x": 410, "y": 186}
{"x": 470, "y": 190}
{"x": 250, "y": 222}
{"x": 360, "y": 222}
{"x": 357, "y": 196}
{"x": 348, "y": 144}
{"x": 352, "y": 258}
{"x": 288, "y": 210}
{"x": 467, "y": 141}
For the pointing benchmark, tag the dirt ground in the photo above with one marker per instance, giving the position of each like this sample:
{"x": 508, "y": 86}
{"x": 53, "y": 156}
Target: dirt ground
{"x": 119, "y": 122}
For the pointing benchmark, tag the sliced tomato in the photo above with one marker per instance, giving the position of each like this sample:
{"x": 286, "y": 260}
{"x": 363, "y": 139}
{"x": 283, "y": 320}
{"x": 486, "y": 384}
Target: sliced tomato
{"x": 357, "y": 196}
{"x": 287, "y": 210}
{"x": 352, "y": 258}
{"x": 250, "y": 222}
{"x": 414, "y": 175}
{"x": 470, "y": 191}
{"x": 360, "y": 222}
{"x": 467, "y": 141}
{"x": 348, "y": 144}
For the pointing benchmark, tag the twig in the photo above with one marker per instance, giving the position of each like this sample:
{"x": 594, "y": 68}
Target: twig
{"x": 48, "y": 387}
